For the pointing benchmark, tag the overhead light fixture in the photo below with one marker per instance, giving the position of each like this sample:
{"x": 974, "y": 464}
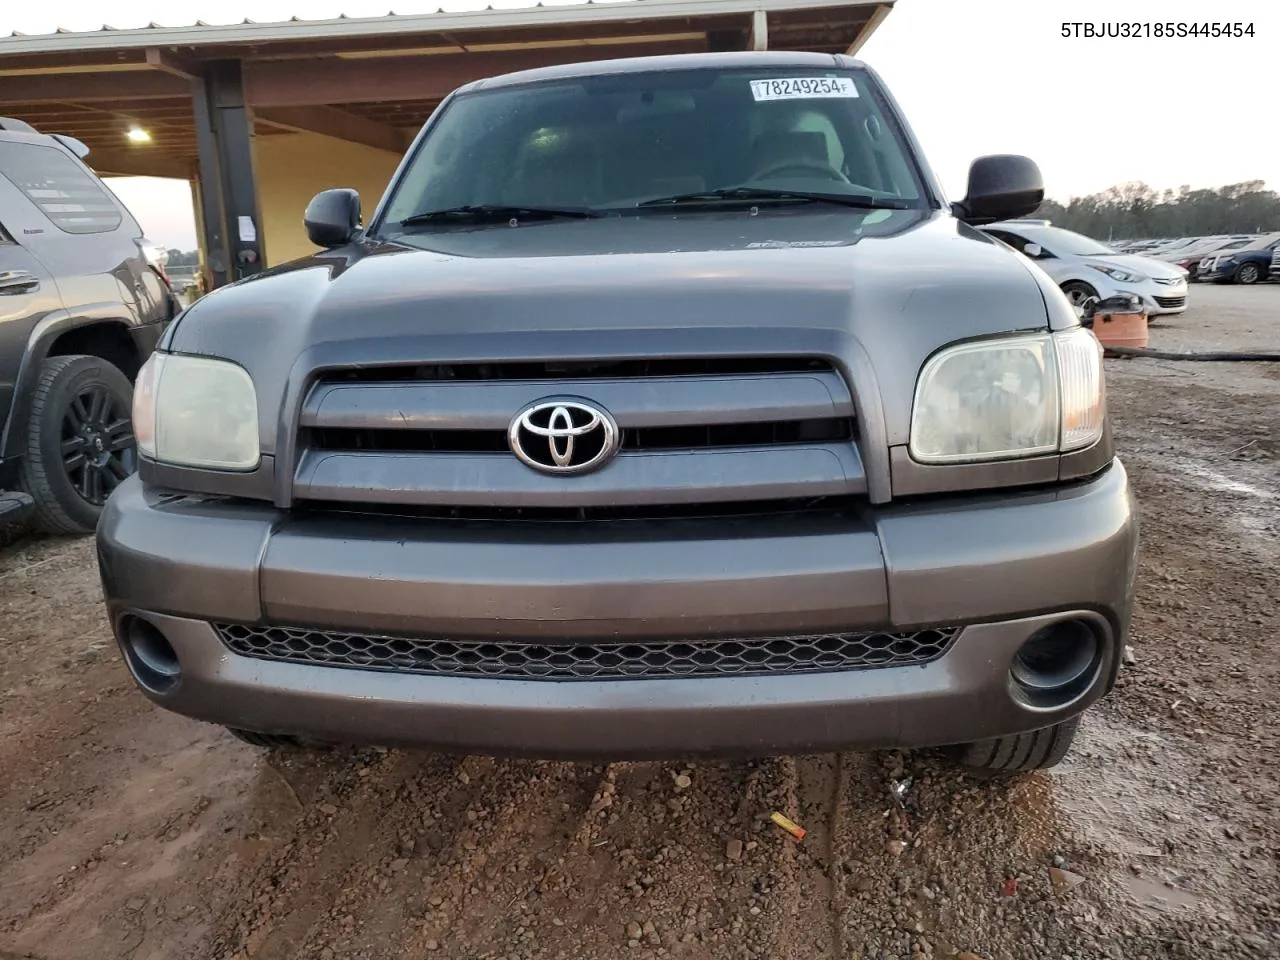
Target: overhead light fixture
{"x": 138, "y": 135}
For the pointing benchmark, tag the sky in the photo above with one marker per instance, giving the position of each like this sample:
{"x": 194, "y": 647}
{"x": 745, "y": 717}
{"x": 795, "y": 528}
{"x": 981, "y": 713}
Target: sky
{"x": 972, "y": 76}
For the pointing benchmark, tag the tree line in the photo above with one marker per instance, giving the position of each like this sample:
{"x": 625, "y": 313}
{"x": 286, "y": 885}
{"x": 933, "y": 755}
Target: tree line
{"x": 183, "y": 258}
{"x": 1133, "y": 211}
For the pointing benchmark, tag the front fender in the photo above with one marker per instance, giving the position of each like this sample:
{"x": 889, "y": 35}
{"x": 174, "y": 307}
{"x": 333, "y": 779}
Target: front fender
{"x": 45, "y": 333}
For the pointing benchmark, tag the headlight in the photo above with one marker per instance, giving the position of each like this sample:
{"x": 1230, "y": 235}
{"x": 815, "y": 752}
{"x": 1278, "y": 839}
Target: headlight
{"x": 1115, "y": 273}
{"x": 1007, "y": 398}
{"x": 196, "y": 412}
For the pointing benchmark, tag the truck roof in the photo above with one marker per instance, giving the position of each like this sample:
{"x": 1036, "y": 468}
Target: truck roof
{"x": 679, "y": 61}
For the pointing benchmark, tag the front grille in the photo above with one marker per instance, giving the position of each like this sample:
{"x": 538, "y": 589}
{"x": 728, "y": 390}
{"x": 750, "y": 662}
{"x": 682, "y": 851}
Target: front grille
{"x": 1171, "y": 302}
{"x": 580, "y": 369}
{"x": 706, "y": 430}
{"x": 836, "y": 509}
{"x": 824, "y": 430}
{"x": 647, "y": 659}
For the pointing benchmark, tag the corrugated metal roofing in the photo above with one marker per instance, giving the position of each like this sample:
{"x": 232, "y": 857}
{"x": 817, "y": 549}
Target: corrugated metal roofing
{"x": 297, "y": 28}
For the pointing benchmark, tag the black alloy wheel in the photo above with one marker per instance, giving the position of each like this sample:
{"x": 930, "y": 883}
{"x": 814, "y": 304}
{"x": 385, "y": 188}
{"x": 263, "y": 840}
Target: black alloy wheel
{"x": 80, "y": 444}
{"x": 98, "y": 449}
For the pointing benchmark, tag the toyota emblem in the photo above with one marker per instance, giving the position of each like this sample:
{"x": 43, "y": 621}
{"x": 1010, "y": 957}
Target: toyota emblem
{"x": 562, "y": 436}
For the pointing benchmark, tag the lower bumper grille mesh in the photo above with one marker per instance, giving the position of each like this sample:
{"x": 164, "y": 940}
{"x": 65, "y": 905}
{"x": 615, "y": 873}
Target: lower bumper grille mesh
{"x": 647, "y": 659}
{"x": 1170, "y": 303}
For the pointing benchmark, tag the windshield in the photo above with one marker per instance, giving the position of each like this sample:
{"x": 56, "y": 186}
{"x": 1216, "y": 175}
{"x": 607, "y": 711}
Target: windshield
{"x": 1065, "y": 243}
{"x": 610, "y": 143}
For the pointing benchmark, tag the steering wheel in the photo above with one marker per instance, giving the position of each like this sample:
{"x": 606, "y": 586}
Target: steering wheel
{"x": 805, "y": 166}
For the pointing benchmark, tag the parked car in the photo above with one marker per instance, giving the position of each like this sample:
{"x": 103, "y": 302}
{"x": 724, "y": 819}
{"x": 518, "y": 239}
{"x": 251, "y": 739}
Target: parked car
{"x": 1140, "y": 246}
{"x": 1189, "y": 259}
{"x": 1200, "y": 247}
{"x": 1274, "y": 272}
{"x": 1247, "y": 265}
{"x": 662, "y": 407}
{"x": 1169, "y": 247}
{"x": 81, "y": 307}
{"x": 1085, "y": 269}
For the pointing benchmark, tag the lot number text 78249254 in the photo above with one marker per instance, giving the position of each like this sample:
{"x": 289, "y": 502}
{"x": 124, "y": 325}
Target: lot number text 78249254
{"x": 803, "y": 88}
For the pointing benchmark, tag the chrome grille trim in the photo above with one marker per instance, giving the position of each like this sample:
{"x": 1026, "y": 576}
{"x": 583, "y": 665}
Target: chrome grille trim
{"x": 713, "y": 430}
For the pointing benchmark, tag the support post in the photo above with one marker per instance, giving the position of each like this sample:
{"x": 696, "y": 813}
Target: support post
{"x": 759, "y": 31}
{"x": 224, "y": 141}
{"x": 876, "y": 18}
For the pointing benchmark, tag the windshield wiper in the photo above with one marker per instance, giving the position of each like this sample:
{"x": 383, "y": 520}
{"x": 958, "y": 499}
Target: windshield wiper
{"x": 479, "y": 212}
{"x": 748, "y": 194}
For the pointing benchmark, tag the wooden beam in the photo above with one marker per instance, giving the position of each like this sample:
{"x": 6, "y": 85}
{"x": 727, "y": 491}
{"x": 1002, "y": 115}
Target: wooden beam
{"x": 79, "y": 88}
{"x": 137, "y": 163}
{"x": 169, "y": 105}
{"x": 332, "y": 122}
{"x": 329, "y": 80}
{"x": 71, "y": 61}
{"x": 876, "y": 18}
{"x": 759, "y": 38}
{"x": 166, "y": 62}
{"x": 107, "y": 125}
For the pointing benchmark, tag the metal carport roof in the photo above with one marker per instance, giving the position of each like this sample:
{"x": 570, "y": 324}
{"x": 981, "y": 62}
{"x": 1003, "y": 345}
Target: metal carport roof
{"x": 373, "y": 80}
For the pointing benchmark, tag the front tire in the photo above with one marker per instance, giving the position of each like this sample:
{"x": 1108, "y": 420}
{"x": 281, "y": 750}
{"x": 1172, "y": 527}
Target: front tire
{"x": 80, "y": 443}
{"x": 1248, "y": 273}
{"x": 1019, "y": 752}
{"x": 1078, "y": 292}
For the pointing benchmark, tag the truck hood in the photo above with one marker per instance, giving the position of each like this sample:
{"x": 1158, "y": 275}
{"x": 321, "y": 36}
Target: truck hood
{"x": 877, "y": 291}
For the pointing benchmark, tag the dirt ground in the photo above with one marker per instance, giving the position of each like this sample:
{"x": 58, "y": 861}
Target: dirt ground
{"x": 129, "y": 832}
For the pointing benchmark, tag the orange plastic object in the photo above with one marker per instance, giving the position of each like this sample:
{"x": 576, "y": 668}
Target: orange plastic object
{"x": 1121, "y": 329}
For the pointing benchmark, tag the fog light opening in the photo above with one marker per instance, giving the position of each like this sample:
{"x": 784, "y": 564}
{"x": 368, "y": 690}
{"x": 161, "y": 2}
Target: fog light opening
{"x": 1058, "y": 662}
{"x": 150, "y": 657}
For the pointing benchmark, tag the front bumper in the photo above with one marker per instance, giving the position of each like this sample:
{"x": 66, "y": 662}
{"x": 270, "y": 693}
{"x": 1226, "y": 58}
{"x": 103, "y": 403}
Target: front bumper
{"x": 1161, "y": 299}
{"x": 1002, "y": 566}
{"x": 1157, "y": 298}
{"x": 1208, "y": 275}
{"x": 1227, "y": 270}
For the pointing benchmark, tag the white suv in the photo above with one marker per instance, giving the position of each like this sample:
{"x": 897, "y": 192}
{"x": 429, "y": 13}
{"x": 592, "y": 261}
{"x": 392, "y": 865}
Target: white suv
{"x": 1084, "y": 268}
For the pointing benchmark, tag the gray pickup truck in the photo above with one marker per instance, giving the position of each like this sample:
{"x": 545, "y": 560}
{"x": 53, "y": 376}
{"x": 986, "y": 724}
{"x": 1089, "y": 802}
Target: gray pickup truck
{"x": 663, "y": 407}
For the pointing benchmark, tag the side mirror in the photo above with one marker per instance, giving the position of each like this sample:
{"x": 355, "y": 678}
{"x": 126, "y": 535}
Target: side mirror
{"x": 1033, "y": 250}
{"x": 332, "y": 217}
{"x": 1001, "y": 187}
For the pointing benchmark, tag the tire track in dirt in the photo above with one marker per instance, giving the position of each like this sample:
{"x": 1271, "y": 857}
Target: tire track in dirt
{"x": 515, "y": 858}
{"x": 836, "y": 811}
{"x": 313, "y": 852}
{"x": 799, "y": 909}
{"x": 96, "y": 876}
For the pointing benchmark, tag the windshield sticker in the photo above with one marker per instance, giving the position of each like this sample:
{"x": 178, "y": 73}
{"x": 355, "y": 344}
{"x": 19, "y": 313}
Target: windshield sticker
{"x": 804, "y": 88}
